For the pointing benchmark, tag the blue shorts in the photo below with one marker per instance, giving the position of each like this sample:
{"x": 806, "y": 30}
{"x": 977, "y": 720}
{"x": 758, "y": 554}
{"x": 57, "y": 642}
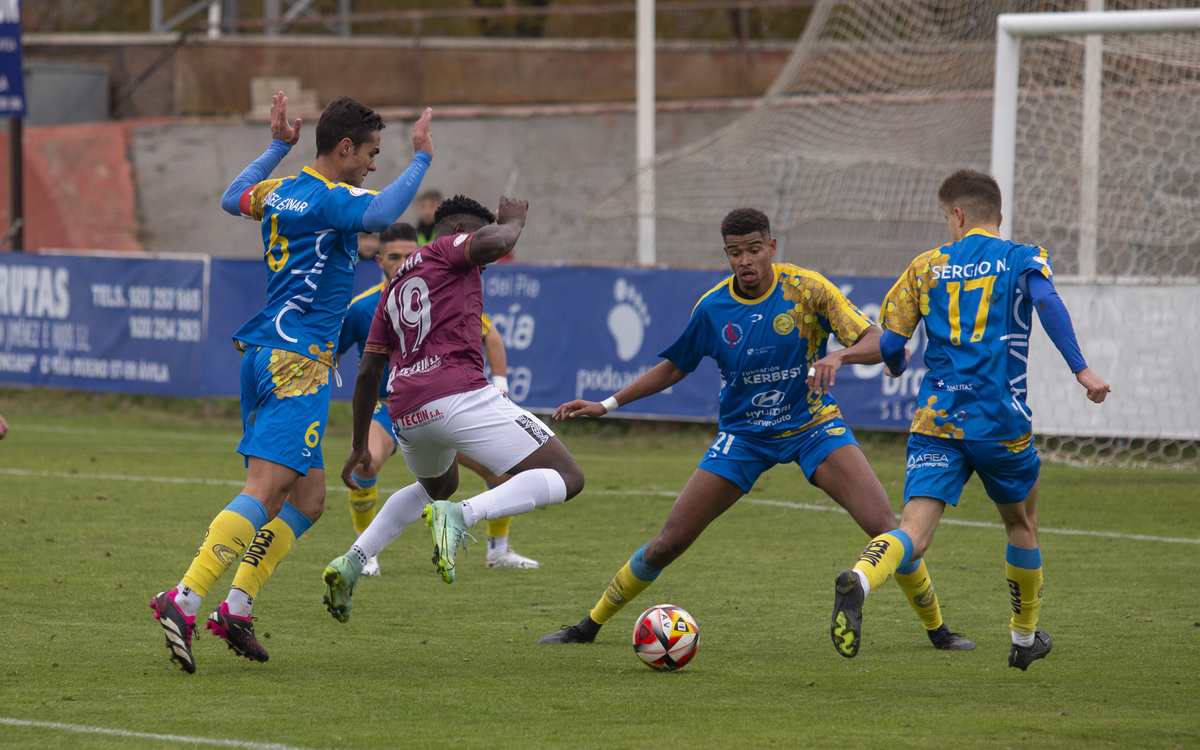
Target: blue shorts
{"x": 742, "y": 459}
{"x": 285, "y": 407}
{"x": 380, "y": 415}
{"x": 939, "y": 467}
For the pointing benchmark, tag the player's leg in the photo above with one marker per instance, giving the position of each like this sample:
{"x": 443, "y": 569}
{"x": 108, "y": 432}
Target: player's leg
{"x": 382, "y": 444}
{"x": 846, "y": 476}
{"x": 705, "y": 497}
{"x": 233, "y": 621}
{"x": 499, "y": 553}
{"x": 1009, "y": 472}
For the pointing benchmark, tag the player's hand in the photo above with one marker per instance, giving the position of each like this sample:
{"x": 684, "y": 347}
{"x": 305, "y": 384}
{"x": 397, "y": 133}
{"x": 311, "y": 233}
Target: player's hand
{"x": 422, "y": 136}
{"x": 823, "y": 373}
{"x": 511, "y": 210}
{"x": 1097, "y": 388}
{"x": 280, "y": 129}
{"x": 580, "y": 408}
{"x": 358, "y": 457}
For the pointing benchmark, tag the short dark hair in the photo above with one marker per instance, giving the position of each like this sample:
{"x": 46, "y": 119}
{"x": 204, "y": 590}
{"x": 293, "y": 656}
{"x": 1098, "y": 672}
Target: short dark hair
{"x": 430, "y": 195}
{"x": 453, "y": 210}
{"x": 741, "y": 221}
{"x": 346, "y": 118}
{"x": 975, "y": 192}
{"x": 398, "y": 232}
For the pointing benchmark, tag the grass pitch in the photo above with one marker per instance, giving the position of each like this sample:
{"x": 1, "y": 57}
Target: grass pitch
{"x": 103, "y": 500}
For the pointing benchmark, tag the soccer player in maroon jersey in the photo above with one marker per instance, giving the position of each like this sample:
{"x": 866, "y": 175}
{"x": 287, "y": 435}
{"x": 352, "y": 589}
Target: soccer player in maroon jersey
{"x": 426, "y": 333}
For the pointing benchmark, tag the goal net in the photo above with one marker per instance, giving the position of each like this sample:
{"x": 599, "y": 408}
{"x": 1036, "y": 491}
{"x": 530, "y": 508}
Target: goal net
{"x": 881, "y": 99}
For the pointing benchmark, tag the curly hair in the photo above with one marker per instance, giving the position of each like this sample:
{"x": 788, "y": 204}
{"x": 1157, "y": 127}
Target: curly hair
{"x": 398, "y": 232}
{"x": 346, "y": 118}
{"x": 453, "y": 210}
{"x": 976, "y": 193}
{"x": 741, "y": 221}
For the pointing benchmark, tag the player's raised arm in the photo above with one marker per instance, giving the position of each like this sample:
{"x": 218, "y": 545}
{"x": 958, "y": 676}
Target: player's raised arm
{"x": 236, "y": 199}
{"x": 493, "y": 242}
{"x": 389, "y": 203}
{"x": 657, "y": 379}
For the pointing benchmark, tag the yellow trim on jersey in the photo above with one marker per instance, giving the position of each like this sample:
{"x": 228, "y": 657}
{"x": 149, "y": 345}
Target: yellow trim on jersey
{"x": 331, "y": 184}
{"x": 377, "y": 288}
{"x": 774, "y": 281}
{"x": 487, "y": 323}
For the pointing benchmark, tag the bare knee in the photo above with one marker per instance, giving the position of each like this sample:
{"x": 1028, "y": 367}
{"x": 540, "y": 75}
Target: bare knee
{"x": 573, "y": 477}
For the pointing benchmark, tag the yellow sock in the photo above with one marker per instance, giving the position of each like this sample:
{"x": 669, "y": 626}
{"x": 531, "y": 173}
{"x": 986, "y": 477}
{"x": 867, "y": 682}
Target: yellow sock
{"x": 624, "y": 587}
{"x": 362, "y": 507}
{"x": 919, "y": 590}
{"x": 1025, "y": 590}
{"x": 271, "y": 544}
{"x": 498, "y": 527}
{"x": 883, "y": 555}
{"x": 226, "y": 538}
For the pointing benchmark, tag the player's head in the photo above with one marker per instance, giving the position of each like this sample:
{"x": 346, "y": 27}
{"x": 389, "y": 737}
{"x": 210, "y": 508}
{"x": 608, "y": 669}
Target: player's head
{"x": 427, "y": 203}
{"x": 460, "y": 214}
{"x": 969, "y": 199}
{"x": 396, "y": 243}
{"x": 348, "y": 136}
{"x": 749, "y": 248}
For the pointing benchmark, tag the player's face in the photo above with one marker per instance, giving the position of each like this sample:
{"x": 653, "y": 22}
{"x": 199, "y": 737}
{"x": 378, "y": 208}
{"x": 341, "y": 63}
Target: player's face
{"x": 360, "y": 161}
{"x": 393, "y": 254}
{"x": 750, "y": 257}
{"x": 426, "y": 209}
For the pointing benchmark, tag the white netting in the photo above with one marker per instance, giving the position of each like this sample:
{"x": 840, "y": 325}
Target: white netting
{"x": 882, "y": 99}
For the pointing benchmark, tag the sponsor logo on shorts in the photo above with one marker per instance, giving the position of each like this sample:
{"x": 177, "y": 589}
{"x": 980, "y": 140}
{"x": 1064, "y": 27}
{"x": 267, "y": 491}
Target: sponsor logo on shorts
{"x": 527, "y": 423}
{"x": 783, "y": 324}
{"x": 836, "y": 431}
{"x": 924, "y": 460}
{"x": 418, "y": 418}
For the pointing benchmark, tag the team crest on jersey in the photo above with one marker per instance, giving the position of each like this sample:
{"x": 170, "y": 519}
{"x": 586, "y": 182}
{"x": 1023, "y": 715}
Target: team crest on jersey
{"x": 460, "y": 239}
{"x": 784, "y": 324}
{"x": 731, "y": 333}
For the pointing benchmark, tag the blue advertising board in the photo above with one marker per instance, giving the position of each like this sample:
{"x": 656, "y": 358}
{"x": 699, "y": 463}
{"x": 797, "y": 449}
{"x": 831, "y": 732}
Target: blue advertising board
{"x": 12, "y": 78}
{"x": 163, "y": 326}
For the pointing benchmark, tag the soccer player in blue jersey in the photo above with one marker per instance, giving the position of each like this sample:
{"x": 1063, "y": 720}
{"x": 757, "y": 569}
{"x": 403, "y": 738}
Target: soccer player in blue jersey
{"x": 976, "y": 295}
{"x": 767, "y": 327}
{"x": 310, "y": 227}
{"x": 396, "y": 244}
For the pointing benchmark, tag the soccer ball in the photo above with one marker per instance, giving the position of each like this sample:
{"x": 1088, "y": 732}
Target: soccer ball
{"x": 665, "y": 637}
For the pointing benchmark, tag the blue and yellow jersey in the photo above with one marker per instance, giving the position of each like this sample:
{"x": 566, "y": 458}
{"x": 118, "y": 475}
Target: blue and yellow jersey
{"x": 357, "y": 325}
{"x": 310, "y": 230}
{"x": 764, "y": 348}
{"x": 977, "y": 322}
{"x": 487, "y": 325}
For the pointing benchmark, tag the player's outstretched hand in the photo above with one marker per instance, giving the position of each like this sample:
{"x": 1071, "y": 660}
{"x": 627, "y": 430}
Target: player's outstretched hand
{"x": 358, "y": 457}
{"x": 580, "y": 408}
{"x": 280, "y": 128}
{"x": 1097, "y": 388}
{"x": 512, "y": 210}
{"x": 422, "y": 136}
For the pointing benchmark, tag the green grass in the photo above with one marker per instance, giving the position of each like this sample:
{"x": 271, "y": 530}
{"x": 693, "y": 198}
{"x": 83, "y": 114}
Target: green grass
{"x": 423, "y": 664}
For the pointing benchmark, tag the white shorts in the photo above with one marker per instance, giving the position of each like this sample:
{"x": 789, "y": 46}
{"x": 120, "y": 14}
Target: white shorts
{"x": 483, "y": 424}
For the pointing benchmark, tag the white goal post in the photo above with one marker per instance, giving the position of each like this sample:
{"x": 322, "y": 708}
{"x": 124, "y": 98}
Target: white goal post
{"x": 1010, "y": 29}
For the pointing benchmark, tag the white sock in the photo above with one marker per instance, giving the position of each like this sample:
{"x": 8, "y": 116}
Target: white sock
{"x": 240, "y": 603}
{"x": 400, "y": 510}
{"x": 862, "y": 578}
{"x": 187, "y": 600}
{"x": 521, "y": 494}
{"x": 497, "y": 546}
{"x": 1022, "y": 639}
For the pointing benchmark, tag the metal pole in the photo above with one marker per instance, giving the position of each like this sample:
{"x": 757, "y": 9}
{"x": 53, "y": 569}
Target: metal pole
{"x": 646, "y": 252}
{"x": 16, "y": 184}
{"x": 1089, "y": 176}
{"x": 214, "y": 19}
{"x": 1004, "y": 120}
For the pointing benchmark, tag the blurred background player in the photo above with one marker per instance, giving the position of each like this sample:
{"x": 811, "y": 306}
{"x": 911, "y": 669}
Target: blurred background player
{"x": 426, "y": 333}
{"x": 427, "y": 204}
{"x": 310, "y": 226}
{"x": 395, "y": 245}
{"x": 3, "y": 427}
{"x": 975, "y": 295}
{"x": 767, "y": 327}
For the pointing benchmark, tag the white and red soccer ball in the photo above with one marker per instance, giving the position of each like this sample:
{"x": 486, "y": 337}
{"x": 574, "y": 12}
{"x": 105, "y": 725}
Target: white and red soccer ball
{"x": 665, "y": 637}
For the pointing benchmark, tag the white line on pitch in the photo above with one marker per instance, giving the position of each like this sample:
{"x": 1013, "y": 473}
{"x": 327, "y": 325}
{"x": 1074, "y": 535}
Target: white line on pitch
{"x": 651, "y": 493}
{"x": 84, "y": 729}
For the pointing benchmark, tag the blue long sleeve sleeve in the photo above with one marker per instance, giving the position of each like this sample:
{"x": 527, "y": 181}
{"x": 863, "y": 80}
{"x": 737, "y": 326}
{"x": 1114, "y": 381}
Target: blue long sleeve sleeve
{"x": 259, "y": 170}
{"x": 891, "y": 346}
{"x": 390, "y": 202}
{"x": 1055, "y": 319}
